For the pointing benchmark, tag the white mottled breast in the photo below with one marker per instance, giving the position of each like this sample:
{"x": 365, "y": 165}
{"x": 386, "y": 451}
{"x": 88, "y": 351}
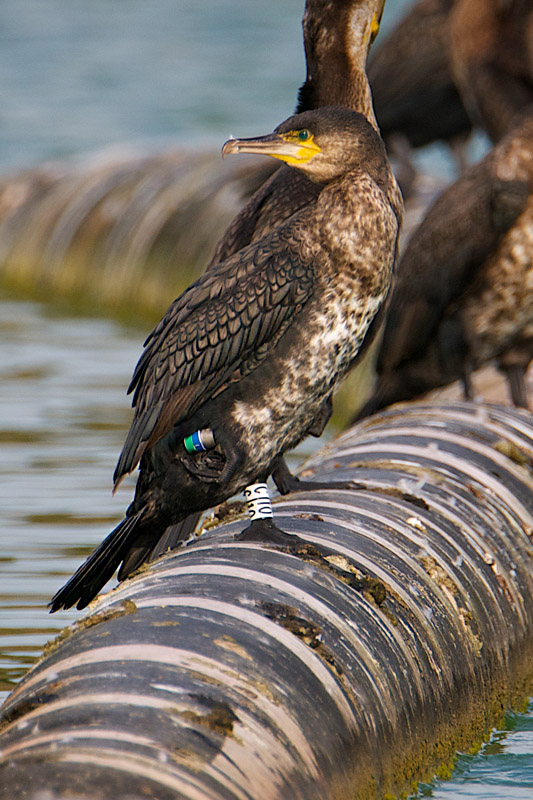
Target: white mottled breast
{"x": 354, "y": 270}
{"x": 505, "y": 303}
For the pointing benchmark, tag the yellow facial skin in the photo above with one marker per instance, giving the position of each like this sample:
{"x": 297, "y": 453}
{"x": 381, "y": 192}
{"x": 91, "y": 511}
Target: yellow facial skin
{"x": 305, "y": 148}
{"x": 374, "y": 27}
{"x": 372, "y": 30}
{"x": 294, "y": 147}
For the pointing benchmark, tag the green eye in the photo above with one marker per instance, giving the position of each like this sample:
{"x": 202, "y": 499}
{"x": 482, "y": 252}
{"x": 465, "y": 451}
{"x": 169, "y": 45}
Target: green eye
{"x": 303, "y": 136}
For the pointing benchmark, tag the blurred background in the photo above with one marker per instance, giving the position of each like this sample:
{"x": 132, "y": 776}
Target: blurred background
{"x": 86, "y": 86}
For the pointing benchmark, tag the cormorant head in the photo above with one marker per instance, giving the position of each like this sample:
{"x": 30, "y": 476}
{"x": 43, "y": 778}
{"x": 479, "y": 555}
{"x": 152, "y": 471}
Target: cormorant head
{"x": 325, "y": 144}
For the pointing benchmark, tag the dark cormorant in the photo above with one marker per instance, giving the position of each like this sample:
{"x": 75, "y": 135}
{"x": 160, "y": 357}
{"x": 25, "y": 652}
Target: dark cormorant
{"x": 464, "y": 288}
{"x": 337, "y": 38}
{"x": 412, "y": 83}
{"x": 491, "y": 47}
{"x": 253, "y": 349}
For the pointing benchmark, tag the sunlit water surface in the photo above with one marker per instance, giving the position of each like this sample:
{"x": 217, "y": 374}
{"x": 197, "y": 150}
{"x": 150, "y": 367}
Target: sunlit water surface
{"x": 77, "y": 77}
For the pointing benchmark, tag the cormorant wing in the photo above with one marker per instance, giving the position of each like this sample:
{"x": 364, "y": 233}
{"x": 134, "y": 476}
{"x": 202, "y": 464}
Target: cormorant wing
{"x": 218, "y": 330}
{"x": 443, "y": 257}
{"x": 282, "y": 195}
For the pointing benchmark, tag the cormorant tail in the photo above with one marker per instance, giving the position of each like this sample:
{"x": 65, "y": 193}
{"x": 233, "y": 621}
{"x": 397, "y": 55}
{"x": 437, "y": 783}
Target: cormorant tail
{"x": 175, "y": 535}
{"x": 97, "y": 569}
{"x": 143, "y": 549}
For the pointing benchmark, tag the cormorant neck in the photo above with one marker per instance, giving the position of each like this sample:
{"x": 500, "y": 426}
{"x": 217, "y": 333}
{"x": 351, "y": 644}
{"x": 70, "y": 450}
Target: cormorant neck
{"x": 336, "y": 43}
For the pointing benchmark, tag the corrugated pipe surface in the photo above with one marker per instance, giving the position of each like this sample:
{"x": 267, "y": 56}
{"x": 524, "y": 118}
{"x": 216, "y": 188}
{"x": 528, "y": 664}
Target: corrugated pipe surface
{"x": 237, "y": 671}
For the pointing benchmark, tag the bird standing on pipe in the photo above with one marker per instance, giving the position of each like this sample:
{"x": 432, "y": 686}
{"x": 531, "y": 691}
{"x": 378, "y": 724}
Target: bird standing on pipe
{"x": 253, "y": 349}
{"x": 337, "y": 38}
{"x": 464, "y": 289}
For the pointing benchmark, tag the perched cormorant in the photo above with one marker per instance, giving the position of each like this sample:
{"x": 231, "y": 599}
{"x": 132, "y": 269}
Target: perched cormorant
{"x": 412, "y": 83}
{"x": 337, "y": 38}
{"x": 464, "y": 288}
{"x": 491, "y": 47}
{"x": 253, "y": 349}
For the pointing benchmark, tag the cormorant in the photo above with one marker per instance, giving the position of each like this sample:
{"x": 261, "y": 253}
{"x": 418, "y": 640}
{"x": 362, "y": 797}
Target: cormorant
{"x": 253, "y": 349}
{"x": 464, "y": 288}
{"x": 491, "y": 48}
{"x": 412, "y": 83}
{"x": 337, "y": 38}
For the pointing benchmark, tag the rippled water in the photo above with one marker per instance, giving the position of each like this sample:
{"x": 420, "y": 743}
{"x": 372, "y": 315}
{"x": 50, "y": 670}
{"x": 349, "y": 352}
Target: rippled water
{"x": 82, "y": 75}
{"x": 77, "y": 76}
{"x": 62, "y": 420}
{"x": 502, "y": 769}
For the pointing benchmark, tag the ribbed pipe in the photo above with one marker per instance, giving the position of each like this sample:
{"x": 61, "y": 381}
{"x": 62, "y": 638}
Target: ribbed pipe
{"x": 237, "y": 671}
{"x": 124, "y": 235}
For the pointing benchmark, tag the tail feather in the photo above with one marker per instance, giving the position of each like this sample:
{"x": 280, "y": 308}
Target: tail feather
{"x": 175, "y": 535}
{"x": 143, "y": 549}
{"x": 97, "y": 569}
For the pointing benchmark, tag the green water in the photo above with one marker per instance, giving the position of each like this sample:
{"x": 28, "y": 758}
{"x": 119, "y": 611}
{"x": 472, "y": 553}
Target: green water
{"x": 502, "y": 769}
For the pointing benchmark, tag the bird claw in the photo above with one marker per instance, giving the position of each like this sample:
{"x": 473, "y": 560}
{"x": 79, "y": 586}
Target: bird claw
{"x": 266, "y": 531}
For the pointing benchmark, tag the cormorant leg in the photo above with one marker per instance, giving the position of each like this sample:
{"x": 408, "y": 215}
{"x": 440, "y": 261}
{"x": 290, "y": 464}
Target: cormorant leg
{"x": 234, "y": 456}
{"x": 516, "y": 378}
{"x": 287, "y": 482}
{"x": 322, "y": 418}
{"x": 262, "y": 528}
{"x": 466, "y": 380}
{"x": 266, "y": 530}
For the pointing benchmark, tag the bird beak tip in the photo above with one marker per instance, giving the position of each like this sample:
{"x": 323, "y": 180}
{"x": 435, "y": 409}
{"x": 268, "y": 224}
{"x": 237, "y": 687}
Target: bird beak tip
{"x": 230, "y": 147}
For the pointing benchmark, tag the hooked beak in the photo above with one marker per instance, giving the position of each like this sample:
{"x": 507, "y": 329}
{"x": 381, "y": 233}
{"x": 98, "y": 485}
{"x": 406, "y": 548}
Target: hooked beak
{"x": 291, "y": 151}
{"x": 270, "y": 145}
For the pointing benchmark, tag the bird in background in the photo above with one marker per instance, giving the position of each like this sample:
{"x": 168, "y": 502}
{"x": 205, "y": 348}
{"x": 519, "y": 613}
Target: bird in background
{"x": 464, "y": 289}
{"x": 249, "y": 354}
{"x": 463, "y": 295}
{"x": 491, "y": 54}
{"x": 464, "y": 64}
{"x": 415, "y": 97}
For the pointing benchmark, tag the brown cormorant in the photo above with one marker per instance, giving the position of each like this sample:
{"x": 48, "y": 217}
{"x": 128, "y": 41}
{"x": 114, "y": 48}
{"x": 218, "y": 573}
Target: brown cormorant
{"x": 412, "y": 83}
{"x": 253, "y": 349}
{"x": 337, "y": 38}
{"x": 464, "y": 288}
{"x": 491, "y": 47}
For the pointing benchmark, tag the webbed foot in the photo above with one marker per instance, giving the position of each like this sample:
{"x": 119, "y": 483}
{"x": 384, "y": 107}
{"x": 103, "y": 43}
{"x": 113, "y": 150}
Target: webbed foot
{"x": 287, "y": 482}
{"x": 265, "y": 530}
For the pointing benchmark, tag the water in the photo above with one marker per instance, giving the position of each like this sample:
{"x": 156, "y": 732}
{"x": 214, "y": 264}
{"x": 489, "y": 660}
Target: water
{"x": 77, "y": 77}
{"x": 502, "y": 769}
{"x": 63, "y": 417}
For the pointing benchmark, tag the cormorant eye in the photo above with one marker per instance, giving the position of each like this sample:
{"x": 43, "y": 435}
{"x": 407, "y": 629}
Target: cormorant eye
{"x": 304, "y": 135}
